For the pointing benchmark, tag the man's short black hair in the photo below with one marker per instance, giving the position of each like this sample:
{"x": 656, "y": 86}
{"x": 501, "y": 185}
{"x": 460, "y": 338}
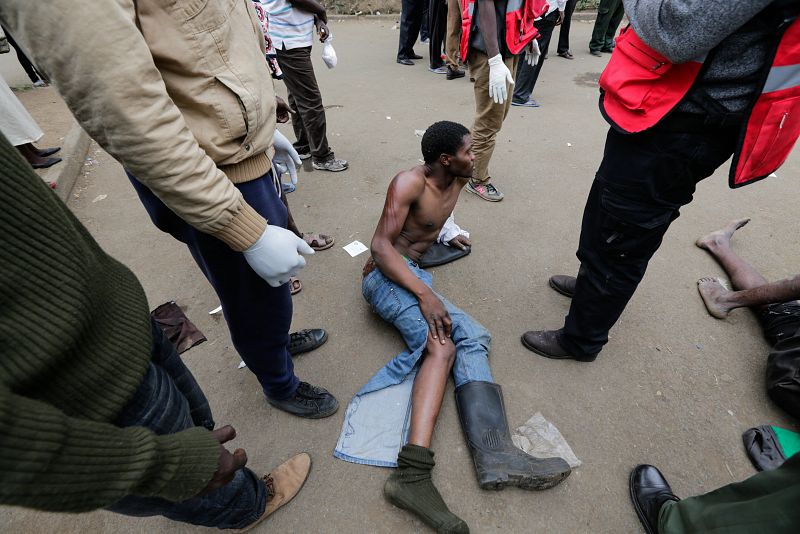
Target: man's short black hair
{"x": 443, "y": 137}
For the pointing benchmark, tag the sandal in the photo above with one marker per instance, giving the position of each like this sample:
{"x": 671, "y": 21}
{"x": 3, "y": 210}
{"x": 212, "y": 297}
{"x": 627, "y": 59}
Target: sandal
{"x": 318, "y": 241}
{"x": 294, "y": 285}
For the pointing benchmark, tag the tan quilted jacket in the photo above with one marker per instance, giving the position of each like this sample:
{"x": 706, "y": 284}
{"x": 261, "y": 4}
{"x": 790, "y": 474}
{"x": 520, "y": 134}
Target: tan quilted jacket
{"x": 177, "y": 90}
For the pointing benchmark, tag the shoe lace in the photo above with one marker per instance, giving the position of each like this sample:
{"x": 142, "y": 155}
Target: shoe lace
{"x": 270, "y": 482}
{"x": 299, "y": 338}
{"x": 490, "y": 189}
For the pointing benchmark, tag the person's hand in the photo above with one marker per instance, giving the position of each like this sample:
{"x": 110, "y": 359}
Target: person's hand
{"x": 286, "y": 157}
{"x": 436, "y": 316}
{"x": 323, "y": 16}
{"x": 533, "y": 53}
{"x": 460, "y": 241}
{"x": 282, "y": 110}
{"x": 228, "y": 463}
{"x": 499, "y": 78}
{"x": 560, "y": 18}
{"x": 275, "y": 257}
{"x": 322, "y": 30}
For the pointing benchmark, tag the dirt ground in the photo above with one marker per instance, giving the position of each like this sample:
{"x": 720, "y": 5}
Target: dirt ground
{"x": 674, "y": 387}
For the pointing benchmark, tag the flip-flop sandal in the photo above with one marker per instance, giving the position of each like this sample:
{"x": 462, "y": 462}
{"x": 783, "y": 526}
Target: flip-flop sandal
{"x": 318, "y": 241}
{"x": 295, "y": 286}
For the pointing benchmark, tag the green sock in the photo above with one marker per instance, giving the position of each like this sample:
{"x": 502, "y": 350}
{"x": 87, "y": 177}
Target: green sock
{"x": 410, "y": 487}
{"x": 788, "y": 440}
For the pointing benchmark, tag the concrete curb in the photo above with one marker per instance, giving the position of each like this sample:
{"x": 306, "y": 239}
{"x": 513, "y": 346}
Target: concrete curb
{"x": 588, "y": 14}
{"x": 62, "y": 177}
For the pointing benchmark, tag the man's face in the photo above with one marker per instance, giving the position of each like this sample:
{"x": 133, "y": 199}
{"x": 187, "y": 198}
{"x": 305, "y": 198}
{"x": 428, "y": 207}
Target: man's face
{"x": 463, "y": 161}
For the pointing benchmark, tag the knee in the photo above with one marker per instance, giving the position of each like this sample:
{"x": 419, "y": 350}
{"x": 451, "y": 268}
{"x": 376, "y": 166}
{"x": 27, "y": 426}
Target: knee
{"x": 443, "y": 354}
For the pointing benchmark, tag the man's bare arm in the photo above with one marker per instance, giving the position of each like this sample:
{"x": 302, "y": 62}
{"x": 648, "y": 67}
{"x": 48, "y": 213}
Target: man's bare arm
{"x": 311, "y": 6}
{"x": 404, "y": 190}
{"x": 488, "y": 26}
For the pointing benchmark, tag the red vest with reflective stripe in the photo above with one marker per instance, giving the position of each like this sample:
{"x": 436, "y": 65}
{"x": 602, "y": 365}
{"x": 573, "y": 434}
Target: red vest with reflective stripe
{"x": 520, "y": 17}
{"x": 639, "y": 87}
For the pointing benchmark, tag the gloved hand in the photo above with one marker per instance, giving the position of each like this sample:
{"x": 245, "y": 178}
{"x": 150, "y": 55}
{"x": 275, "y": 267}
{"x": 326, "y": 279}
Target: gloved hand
{"x": 532, "y": 53}
{"x": 276, "y": 255}
{"x": 499, "y": 77}
{"x": 286, "y": 157}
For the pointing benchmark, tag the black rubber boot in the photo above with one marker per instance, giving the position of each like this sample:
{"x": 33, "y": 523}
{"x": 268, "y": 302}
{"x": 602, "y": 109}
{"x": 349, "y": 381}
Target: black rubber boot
{"x": 498, "y": 463}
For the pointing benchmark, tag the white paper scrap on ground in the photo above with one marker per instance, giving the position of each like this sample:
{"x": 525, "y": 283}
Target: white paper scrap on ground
{"x": 216, "y": 310}
{"x": 355, "y": 248}
{"x": 540, "y": 438}
{"x": 242, "y": 364}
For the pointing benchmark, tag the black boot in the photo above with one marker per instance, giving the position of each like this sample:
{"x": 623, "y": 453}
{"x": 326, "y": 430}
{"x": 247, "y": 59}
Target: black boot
{"x": 498, "y": 462}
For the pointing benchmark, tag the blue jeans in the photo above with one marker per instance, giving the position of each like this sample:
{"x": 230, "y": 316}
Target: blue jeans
{"x": 377, "y": 420}
{"x": 170, "y": 400}
{"x": 258, "y": 315}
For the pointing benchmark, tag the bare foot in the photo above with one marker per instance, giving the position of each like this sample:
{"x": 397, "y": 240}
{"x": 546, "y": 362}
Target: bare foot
{"x": 713, "y": 291}
{"x": 721, "y": 237}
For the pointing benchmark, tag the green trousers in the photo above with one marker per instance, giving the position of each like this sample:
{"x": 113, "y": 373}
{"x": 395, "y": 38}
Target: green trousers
{"x": 609, "y": 15}
{"x": 768, "y": 502}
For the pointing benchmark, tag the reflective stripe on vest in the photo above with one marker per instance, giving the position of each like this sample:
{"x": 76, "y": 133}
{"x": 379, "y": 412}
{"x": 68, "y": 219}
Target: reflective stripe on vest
{"x": 639, "y": 87}
{"x": 774, "y": 122}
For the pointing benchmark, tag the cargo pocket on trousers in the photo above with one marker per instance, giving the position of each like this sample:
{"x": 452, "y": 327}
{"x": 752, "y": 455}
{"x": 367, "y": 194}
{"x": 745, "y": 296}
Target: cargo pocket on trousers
{"x": 631, "y": 229}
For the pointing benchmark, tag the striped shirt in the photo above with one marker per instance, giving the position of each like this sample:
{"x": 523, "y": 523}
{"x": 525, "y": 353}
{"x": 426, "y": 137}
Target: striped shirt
{"x": 288, "y": 27}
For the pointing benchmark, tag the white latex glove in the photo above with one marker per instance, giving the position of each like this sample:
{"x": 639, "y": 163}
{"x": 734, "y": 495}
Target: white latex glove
{"x": 286, "y": 157}
{"x": 499, "y": 77}
{"x": 328, "y": 53}
{"x": 276, "y": 255}
{"x": 532, "y": 53}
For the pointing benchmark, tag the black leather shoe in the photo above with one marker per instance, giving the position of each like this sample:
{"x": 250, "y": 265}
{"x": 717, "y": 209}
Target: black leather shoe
{"x": 649, "y": 492}
{"x": 404, "y": 61}
{"x": 545, "y": 343}
{"x": 453, "y": 74}
{"x": 306, "y": 340}
{"x": 311, "y": 402}
{"x": 564, "y": 284}
{"x": 415, "y": 56}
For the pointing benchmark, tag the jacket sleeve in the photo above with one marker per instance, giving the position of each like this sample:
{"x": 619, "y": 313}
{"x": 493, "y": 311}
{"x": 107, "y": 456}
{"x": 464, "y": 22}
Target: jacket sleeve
{"x": 685, "y": 30}
{"x": 102, "y": 67}
{"x": 53, "y": 462}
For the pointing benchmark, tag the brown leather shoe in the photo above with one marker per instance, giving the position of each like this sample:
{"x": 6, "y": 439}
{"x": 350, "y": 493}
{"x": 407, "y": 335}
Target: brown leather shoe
{"x": 564, "y": 284}
{"x": 283, "y": 483}
{"x": 545, "y": 343}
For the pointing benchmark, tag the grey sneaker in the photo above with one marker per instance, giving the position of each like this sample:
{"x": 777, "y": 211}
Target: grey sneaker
{"x": 304, "y": 155}
{"x": 333, "y": 165}
{"x": 438, "y": 70}
{"x": 484, "y": 190}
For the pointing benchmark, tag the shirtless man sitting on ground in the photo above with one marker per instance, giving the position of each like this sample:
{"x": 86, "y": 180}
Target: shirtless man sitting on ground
{"x": 442, "y": 336}
{"x": 775, "y": 305}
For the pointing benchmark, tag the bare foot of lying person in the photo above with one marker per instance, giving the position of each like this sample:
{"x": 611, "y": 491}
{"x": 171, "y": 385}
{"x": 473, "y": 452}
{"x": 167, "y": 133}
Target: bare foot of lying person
{"x": 721, "y": 238}
{"x": 713, "y": 291}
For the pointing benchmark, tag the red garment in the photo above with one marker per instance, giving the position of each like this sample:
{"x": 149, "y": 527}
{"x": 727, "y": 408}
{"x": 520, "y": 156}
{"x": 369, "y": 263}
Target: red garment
{"x": 520, "y": 17}
{"x": 639, "y": 87}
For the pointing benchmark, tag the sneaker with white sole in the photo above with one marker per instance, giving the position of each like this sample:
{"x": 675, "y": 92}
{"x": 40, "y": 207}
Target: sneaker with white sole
{"x": 438, "y": 70}
{"x": 485, "y": 190}
{"x": 304, "y": 155}
{"x": 332, "y": 165}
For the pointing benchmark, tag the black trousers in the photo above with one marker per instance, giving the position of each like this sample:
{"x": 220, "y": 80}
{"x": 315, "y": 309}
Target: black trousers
{"x": 642, "y": 182}
{"x": 309, "y": 122}
{"x": 527, "y": 75}
{"x": 563, "y": 33}
{"x": 437, "y": 24}
{"x": 410, "y": 23}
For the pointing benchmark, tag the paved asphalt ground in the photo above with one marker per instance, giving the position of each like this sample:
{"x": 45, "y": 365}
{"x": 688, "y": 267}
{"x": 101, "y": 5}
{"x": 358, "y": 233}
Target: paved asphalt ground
{"x": 674, "y": 387}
